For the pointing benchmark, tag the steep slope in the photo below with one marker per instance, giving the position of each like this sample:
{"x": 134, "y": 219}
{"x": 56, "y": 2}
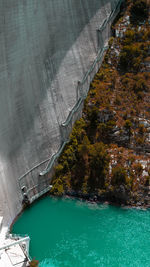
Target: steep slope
{"x": 45, "y": 48}
{"x": 108, "y": 153}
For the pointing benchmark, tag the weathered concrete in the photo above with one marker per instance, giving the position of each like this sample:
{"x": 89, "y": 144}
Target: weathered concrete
{"x": 45, "y": 48}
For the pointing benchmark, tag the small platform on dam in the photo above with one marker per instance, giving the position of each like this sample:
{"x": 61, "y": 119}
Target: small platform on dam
{"x": 14, "y": 250}
{"x": 13, "y": 256}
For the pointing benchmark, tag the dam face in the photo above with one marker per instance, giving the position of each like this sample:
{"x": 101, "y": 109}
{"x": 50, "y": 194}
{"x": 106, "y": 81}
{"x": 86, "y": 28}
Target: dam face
{"x": 46, "y": 47}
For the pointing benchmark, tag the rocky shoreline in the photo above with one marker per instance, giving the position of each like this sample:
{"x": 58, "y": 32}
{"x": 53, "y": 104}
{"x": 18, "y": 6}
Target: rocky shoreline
{"x": 110, "y": 198}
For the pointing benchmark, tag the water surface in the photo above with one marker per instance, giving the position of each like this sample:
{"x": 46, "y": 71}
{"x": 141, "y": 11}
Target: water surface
{"x": 66, "y": 233}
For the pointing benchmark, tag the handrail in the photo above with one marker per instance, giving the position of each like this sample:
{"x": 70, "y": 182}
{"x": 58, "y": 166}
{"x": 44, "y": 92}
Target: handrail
{"x": 15, "y": 243}
{"x": 65, "y": 124}
{"x": 69, "y": 118}
{"x": 63, "y": 127}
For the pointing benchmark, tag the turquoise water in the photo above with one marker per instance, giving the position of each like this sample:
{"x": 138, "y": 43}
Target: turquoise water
{"x": 66, "y": 233}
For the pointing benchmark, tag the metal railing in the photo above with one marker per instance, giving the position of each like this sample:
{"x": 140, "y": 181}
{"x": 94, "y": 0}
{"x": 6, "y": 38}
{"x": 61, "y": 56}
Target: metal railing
{"x": 23, "y": 242}
{"x": 103, "y": 35}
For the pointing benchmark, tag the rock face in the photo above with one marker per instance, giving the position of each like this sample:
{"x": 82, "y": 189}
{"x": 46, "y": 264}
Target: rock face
{"x": 46, "y": 47}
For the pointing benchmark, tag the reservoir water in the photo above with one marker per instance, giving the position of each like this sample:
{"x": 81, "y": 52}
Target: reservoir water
{"x": 72, "y": 233}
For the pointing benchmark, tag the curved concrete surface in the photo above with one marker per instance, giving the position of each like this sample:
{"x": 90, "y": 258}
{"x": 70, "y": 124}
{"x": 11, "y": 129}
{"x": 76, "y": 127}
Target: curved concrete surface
{"x": 45, "y": 48}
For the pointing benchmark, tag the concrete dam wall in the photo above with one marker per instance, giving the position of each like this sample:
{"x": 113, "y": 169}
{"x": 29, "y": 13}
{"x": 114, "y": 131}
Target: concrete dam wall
{"x": 46, "y": 48}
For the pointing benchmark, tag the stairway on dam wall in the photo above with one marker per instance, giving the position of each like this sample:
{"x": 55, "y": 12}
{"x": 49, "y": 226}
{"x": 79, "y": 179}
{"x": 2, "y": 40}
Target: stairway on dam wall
{"x": 46, "y": 48}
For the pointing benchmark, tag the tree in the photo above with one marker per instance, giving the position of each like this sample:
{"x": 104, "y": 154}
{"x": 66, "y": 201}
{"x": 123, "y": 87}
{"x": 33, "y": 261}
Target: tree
{"x": 34, "y": 263}
{"x": 119, "y": 175}
{"x": 99, "y": 163}
{"x": 104, "y": 130}
{"x": 58, "y": 187}
{"x": 130, "y": 57}
{"x": 128, "y": 128}
{"x": 140, "y": 85}
{"x": 138, "y": 168}
{"x": 139, "y": 11}
{"x": 141, "y": 130}
{"x": 93, "y": 116}
{"x": 84, "y": 147}
{"x": 77, "y": 133}
{"x": 129, "y": 37}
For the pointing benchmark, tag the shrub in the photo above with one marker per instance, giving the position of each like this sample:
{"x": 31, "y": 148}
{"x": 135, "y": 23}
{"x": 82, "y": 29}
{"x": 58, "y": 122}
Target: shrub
{"x": 141, "y": 129}
{"x": 147, "y": 180}
{"x": 99, "y": 163}
{"x": 139, "y": 141}
{"x": 130, "y": 57}
{"x": 93, "y": 116}
{"x": 129, "y": 37}
{"x": 105, "y": 130}
{"x": 58, "y": 169}
{"x": 118, "y": 100}
{"x": 58, "y": 188}
{"x": 119, "y": 176}
{"x": 34, "y": 263}
{"x": 139, "y": 11}
{"x": 139, "y": 85}
{"x": 84, "y": 147}
{"x": 128, "y": 128}
{"x": 138, "y": 168}
{"x": 111, "y": 40}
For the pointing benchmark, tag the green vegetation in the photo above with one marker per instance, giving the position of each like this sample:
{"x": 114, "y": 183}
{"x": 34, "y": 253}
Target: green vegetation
{"x": 132, "y": 56}
{"x": 119, "y": 175}
{"x": 139, "y": 11}
{"x": 34, "y": 263}
{"x": 128, "y": 128}
{"x": 93, "y": 163}
{"x": 109, "y": 142}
